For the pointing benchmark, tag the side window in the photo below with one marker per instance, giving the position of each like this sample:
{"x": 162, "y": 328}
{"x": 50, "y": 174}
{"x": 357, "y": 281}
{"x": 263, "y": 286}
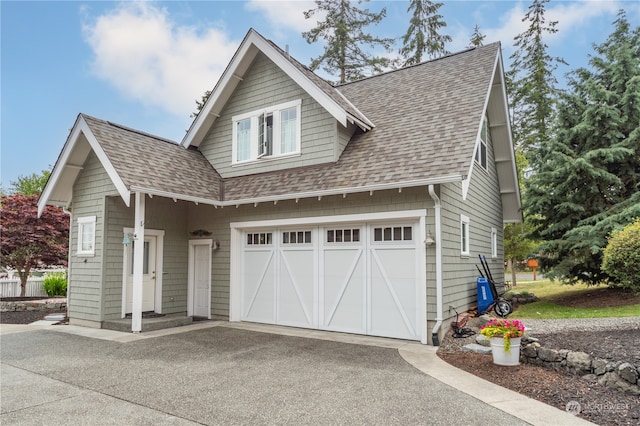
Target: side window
{"x": 464, "y": 235}
{"x": 481, "y": 151}
{"x": 494, "y": 243}
{"x": 86, "y": 236}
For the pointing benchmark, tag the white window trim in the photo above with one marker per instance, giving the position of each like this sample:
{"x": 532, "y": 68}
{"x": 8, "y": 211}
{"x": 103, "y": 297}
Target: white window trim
{"x": 82, "y": 222}
{"x": 464, "y": 239}
{"x": 254, "y": 155}
{"x": 494, "y": 243}
{"x": 483, "y": 139}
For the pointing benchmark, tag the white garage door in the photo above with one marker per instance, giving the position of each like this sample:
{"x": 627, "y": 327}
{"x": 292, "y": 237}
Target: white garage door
{"x": 360, "y": 279}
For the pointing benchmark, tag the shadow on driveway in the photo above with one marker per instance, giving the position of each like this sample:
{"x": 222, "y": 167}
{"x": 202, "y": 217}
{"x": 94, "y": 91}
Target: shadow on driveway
{"x": 222, "y": 375}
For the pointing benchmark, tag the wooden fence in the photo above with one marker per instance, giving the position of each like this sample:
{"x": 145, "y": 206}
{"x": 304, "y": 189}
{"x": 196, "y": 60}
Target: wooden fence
{"x": 10, "y": 287}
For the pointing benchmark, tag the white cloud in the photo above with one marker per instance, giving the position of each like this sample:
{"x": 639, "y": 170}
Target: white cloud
{"x": 146, "y": 56}
{"x": 571, "y": 16}
{"x": 284, "y": 15}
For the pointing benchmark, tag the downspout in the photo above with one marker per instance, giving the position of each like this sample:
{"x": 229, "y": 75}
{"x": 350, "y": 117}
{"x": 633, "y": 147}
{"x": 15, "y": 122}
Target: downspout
{"x": 436, "y": 328}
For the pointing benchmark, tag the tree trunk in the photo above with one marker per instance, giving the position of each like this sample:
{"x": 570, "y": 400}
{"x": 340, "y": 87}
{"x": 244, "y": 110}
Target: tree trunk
{"x": 24, "y": 275}
{"x": 513, "y": 272}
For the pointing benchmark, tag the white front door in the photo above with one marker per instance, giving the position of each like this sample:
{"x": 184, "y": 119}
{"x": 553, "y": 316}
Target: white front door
{"x": 201, "y": 279}
{"x": 148, "y": 275}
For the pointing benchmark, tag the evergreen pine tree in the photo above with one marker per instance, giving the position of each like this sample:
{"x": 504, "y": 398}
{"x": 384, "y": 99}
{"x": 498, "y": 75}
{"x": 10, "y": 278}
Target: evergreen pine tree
{"x": 476, "y": 38}
{"x": 530, "y": 81}
{"x": 343, "y": 32}
{"x": 423, "y": 35}
{"x": 587, "y": 180}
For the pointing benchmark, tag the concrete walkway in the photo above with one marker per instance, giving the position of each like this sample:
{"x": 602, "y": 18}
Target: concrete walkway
{"x": 242, "y": 373}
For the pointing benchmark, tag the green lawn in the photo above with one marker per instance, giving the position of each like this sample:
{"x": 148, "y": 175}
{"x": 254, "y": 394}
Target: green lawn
{"x": 549, "y": 293}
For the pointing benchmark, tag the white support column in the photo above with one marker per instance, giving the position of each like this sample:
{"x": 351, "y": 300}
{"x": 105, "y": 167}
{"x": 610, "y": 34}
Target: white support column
{"x": 138, "y": 255}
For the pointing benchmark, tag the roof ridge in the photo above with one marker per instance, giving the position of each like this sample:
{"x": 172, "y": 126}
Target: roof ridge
{"x": 131, "y": 129}
{"x": 448, "y": 55}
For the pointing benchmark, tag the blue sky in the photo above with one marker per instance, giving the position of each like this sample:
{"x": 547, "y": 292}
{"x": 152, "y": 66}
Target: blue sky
{"x": 143, "y": 64}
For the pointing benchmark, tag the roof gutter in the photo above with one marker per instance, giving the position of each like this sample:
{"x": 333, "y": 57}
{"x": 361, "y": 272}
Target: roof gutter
{"x": 299, "y": 195}
{"x": 438, "y": 218}
{"x": 344, "y": 191}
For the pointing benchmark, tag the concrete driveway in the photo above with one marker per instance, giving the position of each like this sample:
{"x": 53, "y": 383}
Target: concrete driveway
{"x": 222, "y": 374}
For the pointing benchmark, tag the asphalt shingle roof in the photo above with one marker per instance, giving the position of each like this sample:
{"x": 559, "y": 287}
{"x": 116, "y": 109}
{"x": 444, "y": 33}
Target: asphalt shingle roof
{"x": 426, "y": 120}
{"x": 151, "y": 162}
{"x": 426, "y": 116}
{"x": 321, "y": 83}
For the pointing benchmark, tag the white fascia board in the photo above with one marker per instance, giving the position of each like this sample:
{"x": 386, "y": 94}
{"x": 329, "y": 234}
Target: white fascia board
{"x": 166, "y": 194}
{"x": 367, "y": 124}
{"x": 467, "y": 182}
{"x": 318, "y": 220}
{"x": 106, "y": 163}
{"x": 228, "y": 76}
{"x": 255, "y": 39}
{"x": 56, "y": 173}
{"x": 342, "y": 191}
{"x": 505, "y": 108}
{"x": 296, "y": 75}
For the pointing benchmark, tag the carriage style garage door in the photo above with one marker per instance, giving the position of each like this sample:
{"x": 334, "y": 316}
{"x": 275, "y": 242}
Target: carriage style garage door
{"x": 360, "y": 278}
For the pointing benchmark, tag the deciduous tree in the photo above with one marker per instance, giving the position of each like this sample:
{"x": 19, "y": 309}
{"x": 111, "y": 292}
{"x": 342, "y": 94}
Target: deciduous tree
{"x": 30, "y": 185}
{"x": 29, "y": 241}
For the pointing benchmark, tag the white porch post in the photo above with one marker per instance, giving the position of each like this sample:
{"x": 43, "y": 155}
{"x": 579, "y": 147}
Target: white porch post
{"x": 138, "y": 255}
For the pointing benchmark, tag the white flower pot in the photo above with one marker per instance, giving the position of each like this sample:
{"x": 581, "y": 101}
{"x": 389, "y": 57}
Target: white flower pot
{"x": 502, "y": 357}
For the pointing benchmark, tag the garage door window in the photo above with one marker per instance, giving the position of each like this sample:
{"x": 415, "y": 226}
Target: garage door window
{"x": 343, "y": 235}
{"x": 393, "y": 233}
{"x": 259, "y": 239}
{"x": 296, "y": 237}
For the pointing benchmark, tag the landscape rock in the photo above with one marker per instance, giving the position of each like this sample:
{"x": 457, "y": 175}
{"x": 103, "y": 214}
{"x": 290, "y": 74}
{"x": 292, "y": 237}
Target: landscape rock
{"x": 531, "y": 350}
{"x": 549, "y": 355}
{"x": 614, "y": 381}
{"x": 579, "y": 362}
{"x": 483, "y": 340}
{"x": 476, "y": 348}
{"x": 628, "y": 372}
{"x": 599, "y": 366}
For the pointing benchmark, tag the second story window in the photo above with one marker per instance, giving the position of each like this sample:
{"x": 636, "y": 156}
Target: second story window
{"x": 481, "y": 150}
{"x": 267, "y": 133}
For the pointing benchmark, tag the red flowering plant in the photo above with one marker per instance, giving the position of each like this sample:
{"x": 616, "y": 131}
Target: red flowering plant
{"x": 507, "y": 329}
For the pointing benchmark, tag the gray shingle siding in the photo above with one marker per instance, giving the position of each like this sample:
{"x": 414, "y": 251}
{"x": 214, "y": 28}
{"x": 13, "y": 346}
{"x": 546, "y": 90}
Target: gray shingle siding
{"x": 263, "y": 86}
{"x": 161, "y": 214}
{"x": 483, "y": 206}
{"x": 85, "y": 287}
{"x": 218, "y": 221}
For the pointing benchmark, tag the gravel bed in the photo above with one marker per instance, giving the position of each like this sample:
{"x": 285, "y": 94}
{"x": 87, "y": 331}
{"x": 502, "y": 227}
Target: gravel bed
{"x": 546, "y": 326}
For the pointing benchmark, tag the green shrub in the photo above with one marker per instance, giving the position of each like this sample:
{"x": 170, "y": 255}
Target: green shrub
{"x": 622, "y": 257}
{"x": 55, "y": 284}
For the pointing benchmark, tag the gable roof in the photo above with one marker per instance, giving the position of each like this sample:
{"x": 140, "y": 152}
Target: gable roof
{"x": 322, "y": 92}
{"x": 428, "y": 119}
{"x": 134, "y": 161}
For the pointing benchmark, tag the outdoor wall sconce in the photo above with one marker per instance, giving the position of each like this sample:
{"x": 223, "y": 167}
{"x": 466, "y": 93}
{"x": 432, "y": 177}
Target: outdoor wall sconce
{"x": 201, "y": 233}
{"x": 215, "y": 245}
{"x": 429, "y": 241}
{"x": 128, "y": 238}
